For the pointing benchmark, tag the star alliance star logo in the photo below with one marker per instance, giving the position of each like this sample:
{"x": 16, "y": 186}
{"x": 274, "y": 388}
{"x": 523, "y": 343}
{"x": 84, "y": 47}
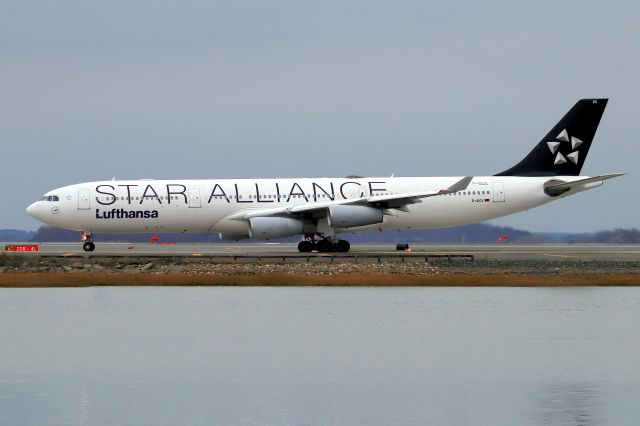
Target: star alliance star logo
{"x": 555, "y": 145}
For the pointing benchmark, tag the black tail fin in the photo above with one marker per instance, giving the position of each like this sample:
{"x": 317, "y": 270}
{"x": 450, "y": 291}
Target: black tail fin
{"x": 564, "y": 149}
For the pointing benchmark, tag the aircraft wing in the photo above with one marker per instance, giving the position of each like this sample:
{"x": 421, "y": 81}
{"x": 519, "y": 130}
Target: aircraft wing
{"x": 395, "y": 201}
{"x": 400, "y": 200}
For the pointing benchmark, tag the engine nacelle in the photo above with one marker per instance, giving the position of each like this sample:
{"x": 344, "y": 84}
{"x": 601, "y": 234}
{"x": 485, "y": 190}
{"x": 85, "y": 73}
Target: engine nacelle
{"x": 274, "y": 227}
{"x": 341, "y": 216}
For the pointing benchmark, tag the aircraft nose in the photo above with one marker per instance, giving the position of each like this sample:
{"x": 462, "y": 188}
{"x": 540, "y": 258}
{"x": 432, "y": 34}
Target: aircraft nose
{"x": 33, "y": 211}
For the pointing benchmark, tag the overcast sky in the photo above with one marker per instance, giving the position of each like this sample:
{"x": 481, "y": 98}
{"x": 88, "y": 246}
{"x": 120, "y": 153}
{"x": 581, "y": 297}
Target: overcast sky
{"x": 221, "y": 89}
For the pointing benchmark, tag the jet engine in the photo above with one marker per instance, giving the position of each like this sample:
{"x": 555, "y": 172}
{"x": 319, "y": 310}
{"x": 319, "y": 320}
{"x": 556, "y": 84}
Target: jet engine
{"x": 341, "y": 216}
{"x": 274, "y": 227}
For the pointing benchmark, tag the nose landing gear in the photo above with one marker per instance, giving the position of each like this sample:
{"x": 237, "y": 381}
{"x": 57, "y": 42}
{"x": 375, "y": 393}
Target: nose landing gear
{"x": 323, "y": 245}
{"x": 88, "y": 243}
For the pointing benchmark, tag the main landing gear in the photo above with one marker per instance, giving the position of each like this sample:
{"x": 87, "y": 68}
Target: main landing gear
{"x": 88, "y": 244}
{"x": 323, "y": 245}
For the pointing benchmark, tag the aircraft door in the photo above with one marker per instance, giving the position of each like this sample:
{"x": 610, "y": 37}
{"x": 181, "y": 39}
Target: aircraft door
{"x": 498, "y": 192}
{"x": 84, "y": 202}
{"x": 194, "y": 197}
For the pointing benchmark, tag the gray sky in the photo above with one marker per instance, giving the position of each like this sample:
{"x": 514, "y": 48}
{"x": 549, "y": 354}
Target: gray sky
{"x": 223, "y": 89}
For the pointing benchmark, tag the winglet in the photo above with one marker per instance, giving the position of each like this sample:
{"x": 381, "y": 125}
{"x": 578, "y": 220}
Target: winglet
{"x": 460, "y": 185}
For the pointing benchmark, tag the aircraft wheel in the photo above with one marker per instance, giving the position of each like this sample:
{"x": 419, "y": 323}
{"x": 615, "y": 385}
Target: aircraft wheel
{"x": 305, "y": 246}
{"x": 323, "y": 246}
{"x": 89, "y": 246}
{"x": 342, "y": 246}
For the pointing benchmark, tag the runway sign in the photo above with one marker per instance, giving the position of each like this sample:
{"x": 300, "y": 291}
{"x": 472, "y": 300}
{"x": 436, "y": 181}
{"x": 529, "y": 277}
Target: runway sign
{"x": 21, "y": 247}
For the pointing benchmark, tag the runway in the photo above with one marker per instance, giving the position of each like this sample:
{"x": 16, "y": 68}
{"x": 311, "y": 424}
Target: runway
{"x": 613, "y": 252}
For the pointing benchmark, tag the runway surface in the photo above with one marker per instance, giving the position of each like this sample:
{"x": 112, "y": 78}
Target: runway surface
{"x": 479, "y": 251}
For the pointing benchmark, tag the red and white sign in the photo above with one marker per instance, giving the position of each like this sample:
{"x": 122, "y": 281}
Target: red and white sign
{"x": 21, "y": 247}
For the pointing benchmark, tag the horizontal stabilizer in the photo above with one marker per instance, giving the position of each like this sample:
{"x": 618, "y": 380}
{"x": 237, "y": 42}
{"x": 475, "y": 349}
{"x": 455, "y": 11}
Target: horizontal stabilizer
{"x": 583, "y": 181}
{"x": 555, "y": 187}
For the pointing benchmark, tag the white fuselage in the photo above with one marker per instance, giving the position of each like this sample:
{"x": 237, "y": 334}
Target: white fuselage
{"x": 206, "y": 205}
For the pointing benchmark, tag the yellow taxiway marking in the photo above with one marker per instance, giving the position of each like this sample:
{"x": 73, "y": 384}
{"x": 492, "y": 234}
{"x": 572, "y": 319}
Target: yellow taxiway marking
{"x": 196, "y": 254}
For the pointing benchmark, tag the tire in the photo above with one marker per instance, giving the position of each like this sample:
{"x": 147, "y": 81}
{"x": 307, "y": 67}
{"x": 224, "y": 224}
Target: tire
{"x": 89, "y": 246}
{"x": 305, "y": 246}
{"x": 323, "y": 246}
{"x": 342, "y": 246}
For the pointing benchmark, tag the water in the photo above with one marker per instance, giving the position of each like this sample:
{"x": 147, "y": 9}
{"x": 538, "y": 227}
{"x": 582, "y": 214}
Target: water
{"x": 320, "y": 356}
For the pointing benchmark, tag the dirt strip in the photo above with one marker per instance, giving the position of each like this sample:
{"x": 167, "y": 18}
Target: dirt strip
{"x": 172, "y": 272}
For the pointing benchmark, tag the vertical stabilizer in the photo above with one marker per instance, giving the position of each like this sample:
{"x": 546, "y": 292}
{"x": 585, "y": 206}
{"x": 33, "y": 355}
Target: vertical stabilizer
{"x": 564, "y": 149}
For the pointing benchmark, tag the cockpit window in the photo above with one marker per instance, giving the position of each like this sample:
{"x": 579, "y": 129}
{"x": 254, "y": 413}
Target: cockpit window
{"x": 50, "y": 198}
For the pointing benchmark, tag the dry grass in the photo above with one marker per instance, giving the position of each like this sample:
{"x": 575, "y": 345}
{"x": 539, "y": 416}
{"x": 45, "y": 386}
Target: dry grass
{"x": 89, "y": 279}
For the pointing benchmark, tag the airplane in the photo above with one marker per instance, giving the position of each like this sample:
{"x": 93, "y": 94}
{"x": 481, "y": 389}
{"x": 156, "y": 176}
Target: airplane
{"x": 320, "y": 209}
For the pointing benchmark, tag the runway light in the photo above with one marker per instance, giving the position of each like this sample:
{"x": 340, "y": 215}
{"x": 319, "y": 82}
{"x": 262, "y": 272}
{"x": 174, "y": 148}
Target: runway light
{"x": 21, "y": 247}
